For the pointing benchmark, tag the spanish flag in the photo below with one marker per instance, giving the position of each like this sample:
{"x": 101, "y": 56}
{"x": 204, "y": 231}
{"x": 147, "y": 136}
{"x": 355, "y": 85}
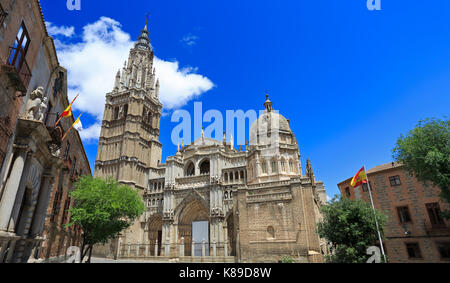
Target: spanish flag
{"x": 360, "y": 178}
{"x": 68, "y": 111}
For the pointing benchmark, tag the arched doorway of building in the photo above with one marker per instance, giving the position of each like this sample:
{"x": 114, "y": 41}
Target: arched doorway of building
{"x": 193, "y": 224}
{"x": 231, "y": 236}
{"x": 155, "y": 234}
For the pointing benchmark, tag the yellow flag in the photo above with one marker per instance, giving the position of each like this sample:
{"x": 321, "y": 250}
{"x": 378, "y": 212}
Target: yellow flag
{"x": 78, "y": 121}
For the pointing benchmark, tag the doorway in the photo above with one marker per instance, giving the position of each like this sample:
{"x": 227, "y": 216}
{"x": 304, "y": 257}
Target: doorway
{"x": 200, "y": 233}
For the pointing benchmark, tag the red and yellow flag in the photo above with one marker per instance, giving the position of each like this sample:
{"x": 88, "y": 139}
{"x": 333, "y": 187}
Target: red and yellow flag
{"x": 68, "y": 111}
{"x": 360, "y": 178}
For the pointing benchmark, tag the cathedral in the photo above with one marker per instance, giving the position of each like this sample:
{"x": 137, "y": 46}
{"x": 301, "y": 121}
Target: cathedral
{"x": 210, "y": 202}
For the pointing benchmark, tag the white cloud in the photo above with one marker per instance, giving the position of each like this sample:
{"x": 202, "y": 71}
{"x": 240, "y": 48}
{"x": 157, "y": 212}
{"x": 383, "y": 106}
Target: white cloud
{"x": 91, "y": 133}
{"x": 178, "y": 86}
{"x": 93, "y": 62}
{"x": 190, "y": 39}
{"x": 62, "y": 30}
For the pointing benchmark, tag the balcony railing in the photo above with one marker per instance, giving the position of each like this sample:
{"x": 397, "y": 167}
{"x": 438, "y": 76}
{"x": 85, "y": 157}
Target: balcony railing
{"x": 56, "y": 131}
{"x": 16, "y": 60}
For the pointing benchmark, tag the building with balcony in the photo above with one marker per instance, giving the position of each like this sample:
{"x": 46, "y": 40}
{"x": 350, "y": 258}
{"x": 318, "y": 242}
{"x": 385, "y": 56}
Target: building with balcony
{"x": 22, "y": 36}
{"x": 33, "y": 93}
{"x": 415, "y": 230}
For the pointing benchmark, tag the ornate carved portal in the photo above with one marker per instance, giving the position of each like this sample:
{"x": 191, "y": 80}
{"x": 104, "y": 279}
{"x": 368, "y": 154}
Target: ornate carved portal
{"x": 155, "y": 234}
{"x": 195, "y": 211}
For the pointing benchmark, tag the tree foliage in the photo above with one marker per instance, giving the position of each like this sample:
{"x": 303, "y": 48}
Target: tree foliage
{"x": 425, "y": 152}
{"x": 103, "y": 208}
{"x": 350, "y": 226}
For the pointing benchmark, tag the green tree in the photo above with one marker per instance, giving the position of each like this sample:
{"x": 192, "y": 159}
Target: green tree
{"x": 350, "y": 226}
{"x": 102, "y": 208}
{"x": 425, "y": 153}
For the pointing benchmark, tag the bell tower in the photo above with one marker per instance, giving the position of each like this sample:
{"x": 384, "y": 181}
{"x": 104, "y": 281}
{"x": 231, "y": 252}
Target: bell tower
{"x": 129, "y": 139}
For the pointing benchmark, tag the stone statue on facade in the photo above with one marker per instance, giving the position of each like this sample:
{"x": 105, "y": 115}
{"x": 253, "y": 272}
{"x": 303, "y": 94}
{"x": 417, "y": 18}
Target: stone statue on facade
{"x": 42, "y": 109}
{"x": 310, "y": 172}
{"x": 36, "y": 105}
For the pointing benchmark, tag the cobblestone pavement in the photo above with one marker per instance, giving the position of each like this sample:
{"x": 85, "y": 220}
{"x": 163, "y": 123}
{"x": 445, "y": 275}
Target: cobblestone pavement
{"x": 106, "y": 260}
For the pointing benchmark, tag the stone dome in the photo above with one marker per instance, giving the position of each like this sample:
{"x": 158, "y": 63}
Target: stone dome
{"x": 269, "y": 121}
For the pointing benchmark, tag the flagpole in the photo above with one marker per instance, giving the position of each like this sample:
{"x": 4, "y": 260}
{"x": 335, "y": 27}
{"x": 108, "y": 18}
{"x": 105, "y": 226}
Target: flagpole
{"x": 375, "y": 215}
{"x": 60, "y": 117}
{"x": 66, "y": 133}
{"x": 72, "y": 126}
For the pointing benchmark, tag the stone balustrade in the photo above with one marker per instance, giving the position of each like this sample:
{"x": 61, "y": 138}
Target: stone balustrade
{"x": 154, "y": 249}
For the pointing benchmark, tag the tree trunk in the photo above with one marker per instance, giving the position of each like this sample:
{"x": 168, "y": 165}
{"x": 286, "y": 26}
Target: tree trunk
{"x": 90, "y": 254}
{"x": 83, "y": 254}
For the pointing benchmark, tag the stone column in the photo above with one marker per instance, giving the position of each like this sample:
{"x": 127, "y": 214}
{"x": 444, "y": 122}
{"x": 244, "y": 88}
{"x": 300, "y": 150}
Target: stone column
{"x": 203, "y": 248}
{"x": 226, "y": 248}
{"x": 220, "y": 232}
{"x": 40, "y": 212}
{"x": 214, "y": 248}
{"x": 4, "y": 246}
{"x": 119, "y": 243}
{"x": 137, "y": 249}
{"x": 181, "y": 247}
{"x": 167, "y": 247}
{"x": 11, "y": 189}
{"x": 11, "y": 249}
{"x": 156, "y": 248}
{"x": 193, "y": 248}
{"x": 129, "y": 249}
{"x": 220, "y": 198}
{"x": 146, "y": 248}
{"x": 225, "y": 238}
{"x": 258, "y": 168}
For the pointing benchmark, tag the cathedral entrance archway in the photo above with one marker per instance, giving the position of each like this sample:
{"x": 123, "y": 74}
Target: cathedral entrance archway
{"x": 193, "y": 222}
{"x": 231, "y": 235}
{"x": 155, "y": 234}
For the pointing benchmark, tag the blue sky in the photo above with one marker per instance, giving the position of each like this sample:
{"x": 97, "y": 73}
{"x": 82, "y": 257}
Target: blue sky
{"x": 349, "y": 79}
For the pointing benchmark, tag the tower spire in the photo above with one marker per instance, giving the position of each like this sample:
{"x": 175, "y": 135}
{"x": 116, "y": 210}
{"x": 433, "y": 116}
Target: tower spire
{"x": 146, "y": 21}
{"x": 143, "y": 40}
{"x": 268, "y": 103}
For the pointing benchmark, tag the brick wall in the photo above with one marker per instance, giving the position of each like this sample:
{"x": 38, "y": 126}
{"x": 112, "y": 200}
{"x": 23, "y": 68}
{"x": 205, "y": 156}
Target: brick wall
{"x": 412, "y": 194}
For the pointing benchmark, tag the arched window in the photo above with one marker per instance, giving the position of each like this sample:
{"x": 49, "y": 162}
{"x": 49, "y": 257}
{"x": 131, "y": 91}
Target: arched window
{"x": 274, "y": 166}
{"x": 236, "y": 175}
{"x": 291, "y": 166}
{"x": 264, "y": 167}
{"x": 231, "y": 177}
{"x": 204, "y": 167}
{"x": 225, "y": 177}
{"x": 125, "y": 110}
{"x": 242, "y": 175}
{"x": 116, "y": 113}
{"x": 283, "y": 165}
{"x": 270, "y": 232}
{"x": 190, "y": 169}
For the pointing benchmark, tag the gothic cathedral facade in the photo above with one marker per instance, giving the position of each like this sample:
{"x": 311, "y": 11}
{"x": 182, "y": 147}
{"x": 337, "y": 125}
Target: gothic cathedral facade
{"x": 257, "y": 204}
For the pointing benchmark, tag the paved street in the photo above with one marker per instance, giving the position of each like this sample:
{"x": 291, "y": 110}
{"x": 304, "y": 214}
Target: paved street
{"x": 105, "y": 260}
